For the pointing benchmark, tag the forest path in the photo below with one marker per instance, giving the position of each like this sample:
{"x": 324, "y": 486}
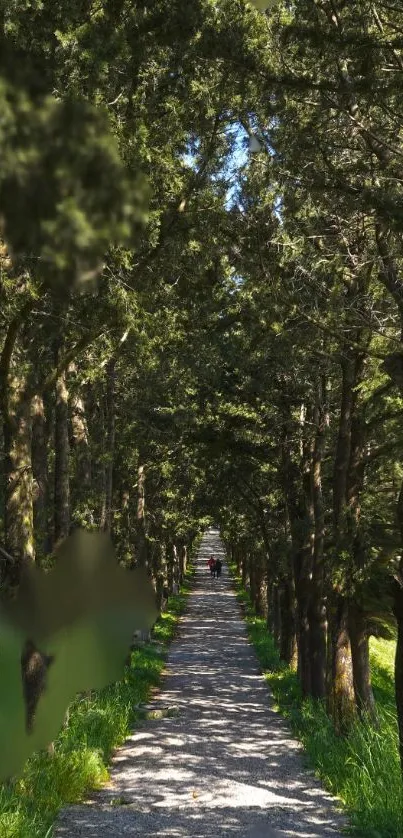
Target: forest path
{"x": 224, "y": 763}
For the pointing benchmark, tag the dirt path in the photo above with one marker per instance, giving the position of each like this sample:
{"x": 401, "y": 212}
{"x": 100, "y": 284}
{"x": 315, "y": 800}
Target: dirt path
{"x": 222, "y": 762}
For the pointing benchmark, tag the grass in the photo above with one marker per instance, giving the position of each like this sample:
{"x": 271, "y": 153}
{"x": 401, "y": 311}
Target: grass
{"x": 363, "y": 769}
{"x": 97, "y": 725}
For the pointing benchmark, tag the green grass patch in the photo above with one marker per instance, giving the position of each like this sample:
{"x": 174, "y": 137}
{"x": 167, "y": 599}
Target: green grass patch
{"x": 97, "y": 725}
{"x": 362, "y": 769}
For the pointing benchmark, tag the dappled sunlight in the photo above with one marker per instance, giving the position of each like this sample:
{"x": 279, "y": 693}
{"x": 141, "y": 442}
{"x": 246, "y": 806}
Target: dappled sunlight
{"x": 222, "y": 761}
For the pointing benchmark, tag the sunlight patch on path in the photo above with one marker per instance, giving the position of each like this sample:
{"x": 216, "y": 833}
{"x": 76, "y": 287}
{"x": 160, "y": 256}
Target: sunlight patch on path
{"x": 224, "y": 764}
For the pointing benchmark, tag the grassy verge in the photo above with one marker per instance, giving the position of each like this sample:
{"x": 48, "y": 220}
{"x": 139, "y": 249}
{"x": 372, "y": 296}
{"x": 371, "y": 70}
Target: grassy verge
{"x": 96, "y": 726}
{"x": 362, "y": 770}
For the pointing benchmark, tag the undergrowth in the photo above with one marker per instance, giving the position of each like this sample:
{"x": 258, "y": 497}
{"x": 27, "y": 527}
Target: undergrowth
{"x": 96, "y": 726}
{"x": 362, "y": 769}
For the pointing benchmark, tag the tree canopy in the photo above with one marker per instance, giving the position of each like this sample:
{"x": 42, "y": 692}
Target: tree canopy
{"x": 201, "y": 305}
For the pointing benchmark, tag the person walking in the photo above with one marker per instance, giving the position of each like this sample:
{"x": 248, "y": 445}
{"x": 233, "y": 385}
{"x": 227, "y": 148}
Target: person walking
{"x": 211, "y": 563}
{"x": 218, "y": 568}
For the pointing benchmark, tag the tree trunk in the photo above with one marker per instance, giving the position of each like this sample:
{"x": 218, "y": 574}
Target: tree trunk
{"x": 62, "y": 477}
{"x": 245, "y": 568}
{"x": 302, "y": 524}
{"x": 340, "y": 687}
{"x": 252, "y": 578}
{"x": 317, "y": 646}
{"x": 260, "y": 586}
{"x": 288, "y": 634}
{"x": 398, "y": 612}
{"x": 80, "y": 441}
{"x": 237, "y": 558}
{"x": 40, "y": 476}
{"x": 357, "y": 622}
{"x": 19, "y": 524}
{"x": 18, "y": 500}
{"x": 158, "y": 566}
{"x": 141, "y": 538}
{"x": 270, "y": 606}
{"x": 317, "y": 606}
{"x": 393, "y": 365}
{"x": 276, "y": 600}
{"x": 124, "y": 545}
{"x": 176, "y": 569}
{"x": 183, "y": 560}
{"x": 304, "y": 656}
{"x": 364, "y": 697}
{"x": 170, "y": 567}
{"x": 343, "y": 447}
{"x": 107, "y": 511}
{"x": 297, "y": 488}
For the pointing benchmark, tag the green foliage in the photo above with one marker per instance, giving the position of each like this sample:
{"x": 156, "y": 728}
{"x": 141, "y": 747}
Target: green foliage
{"x": 64, "y": 193}
{"x": 13, "y": 739}
{"x": 262, "y": 5}
{"x": 255, "y": 317}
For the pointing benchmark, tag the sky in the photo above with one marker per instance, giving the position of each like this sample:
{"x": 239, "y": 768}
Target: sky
{"x": 233, "y": 165}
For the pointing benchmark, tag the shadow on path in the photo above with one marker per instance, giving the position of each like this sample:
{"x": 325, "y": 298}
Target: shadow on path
{"x": 224, "y": 763}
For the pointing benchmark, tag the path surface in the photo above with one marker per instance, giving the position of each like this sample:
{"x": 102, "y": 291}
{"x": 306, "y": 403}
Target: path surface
{"x": 226, "y": 764}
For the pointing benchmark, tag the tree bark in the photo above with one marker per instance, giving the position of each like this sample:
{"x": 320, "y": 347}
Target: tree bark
{"x": 343, "y": 447}
{"x": 317, "y": 606}
{"x": 390, "y": 277}
{"x": 40, "y": 476}
{"x": 270, "y": 606}
{"x": 357, "y": 627}
{"x": 80, "y": 442}
{"x": 252, "y": 578}
{"x": 303, "y": 574}
{"x": 141, "y": 537}
{"x": 298, "y": 493}
{"x": 159, "y": 573}
{"x": 357, "y": 623}
{"x": 19, "y": 523}
{"x": 183, "y": 560}
{"x": 62, "y": 477}
{"x": 107, "y": 514}
{"x": 170, "y": 567}
{"x": 276, "y": 601}
{"x": 288, "y": 633}
{"x": 340, "y": 688}
{"x": 245, "y": 567}
{"x": 398, "y": 612}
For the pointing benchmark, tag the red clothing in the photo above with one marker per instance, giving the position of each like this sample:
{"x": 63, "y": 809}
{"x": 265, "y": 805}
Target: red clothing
{"x": 211, "y": 562}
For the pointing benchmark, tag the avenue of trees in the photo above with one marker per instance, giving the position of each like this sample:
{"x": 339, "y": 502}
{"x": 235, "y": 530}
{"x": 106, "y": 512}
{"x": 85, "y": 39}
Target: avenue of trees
{"x": 201, "y": 302}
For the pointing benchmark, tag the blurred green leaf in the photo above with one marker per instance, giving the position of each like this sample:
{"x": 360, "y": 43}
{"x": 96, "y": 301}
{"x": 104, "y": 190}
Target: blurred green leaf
{"x": 14, "y": 745}
{"x": 83, "y": 613}
{"x": 261, "y": 5}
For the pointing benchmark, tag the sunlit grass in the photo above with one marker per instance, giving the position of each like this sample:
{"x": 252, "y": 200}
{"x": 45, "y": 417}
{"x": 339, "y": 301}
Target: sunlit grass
{"x": 362, "y": 769}
{"x": 97, "y": 725}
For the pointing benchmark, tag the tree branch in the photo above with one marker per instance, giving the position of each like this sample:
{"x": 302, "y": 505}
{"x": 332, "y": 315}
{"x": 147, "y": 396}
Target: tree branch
{"x": 64, "y": 362}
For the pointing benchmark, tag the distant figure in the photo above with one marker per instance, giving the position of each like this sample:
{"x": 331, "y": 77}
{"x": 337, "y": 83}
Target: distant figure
{"x": 212, "y": 563}
{"x": 218, "y": 567}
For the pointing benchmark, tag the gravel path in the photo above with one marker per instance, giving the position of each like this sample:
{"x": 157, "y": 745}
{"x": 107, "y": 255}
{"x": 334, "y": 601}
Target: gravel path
{"x": 221, "y": 762}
